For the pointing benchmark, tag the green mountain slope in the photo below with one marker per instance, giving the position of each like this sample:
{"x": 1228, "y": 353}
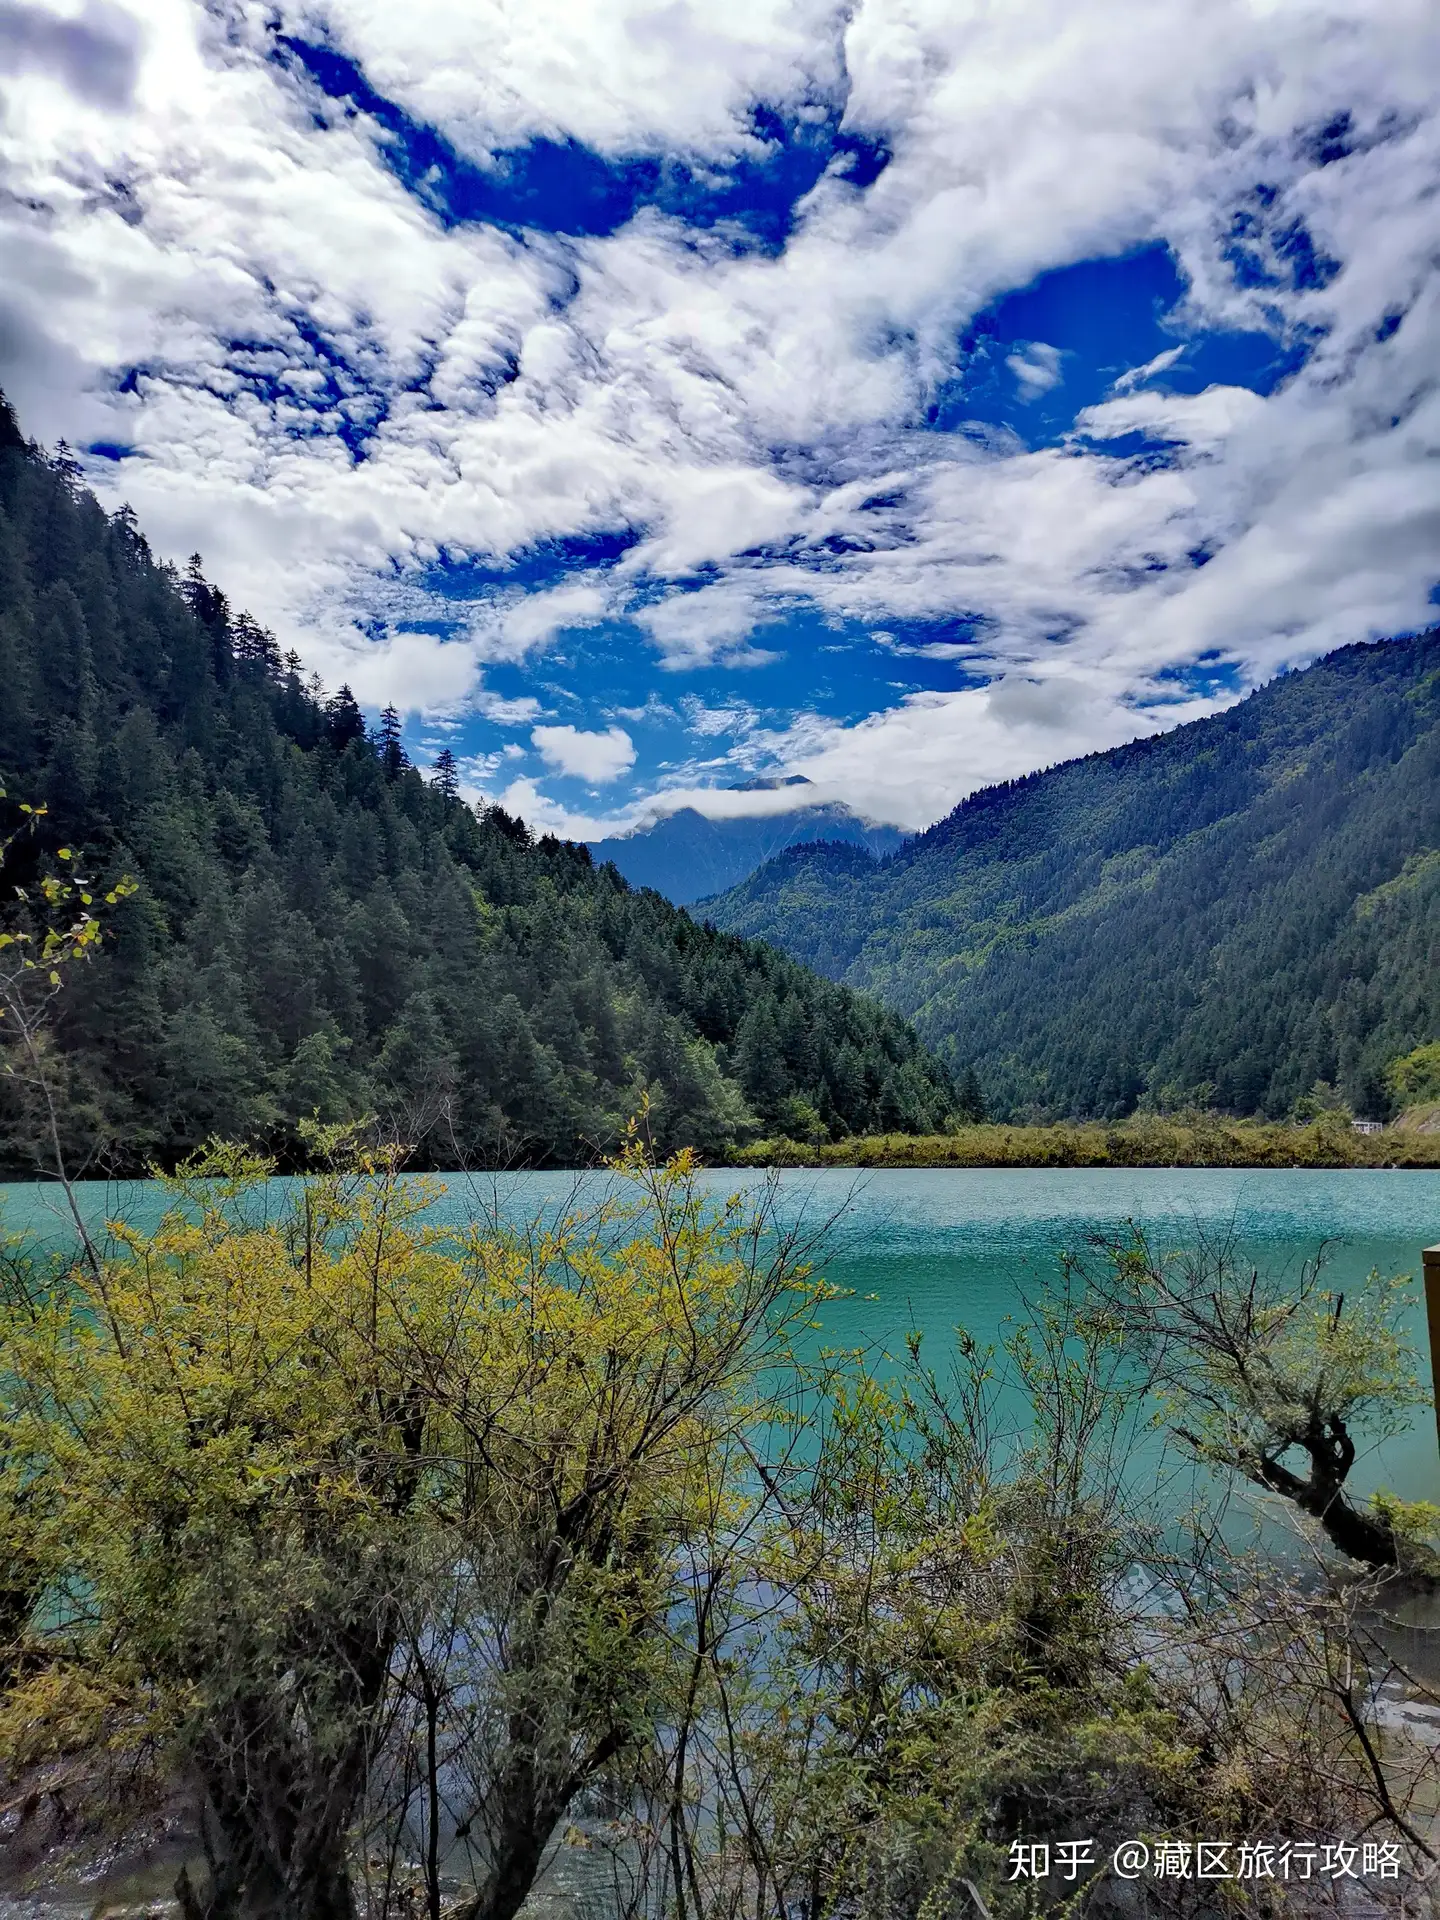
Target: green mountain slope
{"x": 317, "y": 928}
{"x": 1225, "y": 914}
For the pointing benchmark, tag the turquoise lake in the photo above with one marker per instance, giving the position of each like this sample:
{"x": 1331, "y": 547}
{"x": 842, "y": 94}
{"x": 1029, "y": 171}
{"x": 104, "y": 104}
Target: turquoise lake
{"x": 962, "y": 1246}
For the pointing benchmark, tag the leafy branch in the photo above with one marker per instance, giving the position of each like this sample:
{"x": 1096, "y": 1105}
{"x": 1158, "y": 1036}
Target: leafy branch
{"x": 34, "y": 962}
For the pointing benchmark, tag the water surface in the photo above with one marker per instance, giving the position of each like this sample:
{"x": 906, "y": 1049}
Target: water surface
{"x": 933, "y": 1249}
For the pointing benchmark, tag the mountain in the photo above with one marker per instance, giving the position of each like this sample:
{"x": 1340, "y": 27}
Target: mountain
{"x": 1222, "y": 915}
{"x": 688, "y": 856}
{"x": 317, "y": 929}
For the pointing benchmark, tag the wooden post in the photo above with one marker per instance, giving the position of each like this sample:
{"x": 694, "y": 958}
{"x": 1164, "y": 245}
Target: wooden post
{"x": 1432, "y": 1313}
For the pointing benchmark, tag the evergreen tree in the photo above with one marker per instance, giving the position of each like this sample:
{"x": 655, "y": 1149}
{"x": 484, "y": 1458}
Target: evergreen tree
{"x": 393, "y": 758}
{"x": 446, "y": 779}
{"x": 317, "y": 1085}
{"x": 969, "y": 1100}
{"x": 344, "y": 721}
{"x": 759, "y": 1062}
{"x": 417, "y": 1070}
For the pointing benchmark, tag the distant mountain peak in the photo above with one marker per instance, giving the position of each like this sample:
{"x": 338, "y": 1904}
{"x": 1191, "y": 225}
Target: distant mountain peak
{"x": 687, "y": 856}
{"x": 770, "y": 783}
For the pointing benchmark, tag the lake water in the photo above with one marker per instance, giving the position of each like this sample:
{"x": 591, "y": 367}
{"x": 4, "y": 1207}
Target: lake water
{"x": 933, "y": 1249}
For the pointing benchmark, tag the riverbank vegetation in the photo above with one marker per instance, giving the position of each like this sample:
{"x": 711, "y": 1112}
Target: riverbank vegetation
{"x": 406, "y": 1559}
{"x": 1145, "y": 1140}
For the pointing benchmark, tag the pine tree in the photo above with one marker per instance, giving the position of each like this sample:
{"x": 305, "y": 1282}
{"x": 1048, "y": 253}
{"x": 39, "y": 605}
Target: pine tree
{"x": 209, "y": 605}
{"x": 67, "y": 467}
{"x": 393, "y": 757}
{"x": 256, "y": 647}
{"x": 759, "y": 1062}
{"x": 446, "y": 780}
{"x": 969, "y": 1100}
{"x": 344, "y": 721}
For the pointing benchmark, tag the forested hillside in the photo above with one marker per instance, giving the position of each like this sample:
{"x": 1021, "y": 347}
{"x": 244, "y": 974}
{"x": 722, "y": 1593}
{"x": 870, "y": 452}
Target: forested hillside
{"x": 317, "y": 929}
{"x": 1223, "y": 915}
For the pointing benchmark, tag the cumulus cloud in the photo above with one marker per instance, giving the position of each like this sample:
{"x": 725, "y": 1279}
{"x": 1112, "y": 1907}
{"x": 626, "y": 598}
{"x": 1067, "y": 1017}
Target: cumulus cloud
{"x": 521, "y": 624}
{"x": 624, "y": 78}
{"x": 889, "y": 766}
{"x": 596, "y": 758}
{"x": 95, "y": 54}
{"x": 516, "y": 710}
{"x": 414, "y": 672}
{"x": 711, "y": 624}
{"x": 344, "y": 400}
{"x": 1036, "y": 367}
{"x": 545, "y": 814}
{"x": 1192, "y": 419}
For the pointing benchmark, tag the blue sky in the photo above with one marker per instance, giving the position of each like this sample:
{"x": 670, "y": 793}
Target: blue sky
{"x": 646, "y": 399}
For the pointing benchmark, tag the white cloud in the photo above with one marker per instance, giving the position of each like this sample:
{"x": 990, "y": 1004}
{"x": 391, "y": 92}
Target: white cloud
{"x": 521, "y": 624}
{"x": 1196, "y": 419}
{"x": 517, "y": 711}
{"x": 1137, "y": 376}
{"x": 596, "y": 758}
{"x": 627, "y": 77}
{"x": 1036, "y": 367}
{"x": 544, "y": 815}
{"x": 525, "y": 797}
{"x": 92, "y": 54}
{"x": 741, "y": 411}
{"x": 415, "y": 672}
{"x": 733, "y": 717}
{"x": 891, "y": 766}
{"x": 711, "y": 625}
{"x": 655, "y": 710}
{"x": 713, "y": 513}
{"x": 476, "y": 771}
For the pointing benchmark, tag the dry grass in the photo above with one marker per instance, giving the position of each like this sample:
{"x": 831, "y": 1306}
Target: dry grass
{"x": 1145, "y": 1140}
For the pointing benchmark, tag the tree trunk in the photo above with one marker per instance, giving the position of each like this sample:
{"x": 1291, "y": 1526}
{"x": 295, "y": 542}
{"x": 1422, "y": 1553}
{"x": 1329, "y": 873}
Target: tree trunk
{"x": 1359, "y": 1536}
{"x": 514, "y": 1865}
{"x": 220, "y": 1899}
{"x": 530, "y": 1811}
{"x": 320, "y": 1890}
{"x": 282, "y": 1828}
